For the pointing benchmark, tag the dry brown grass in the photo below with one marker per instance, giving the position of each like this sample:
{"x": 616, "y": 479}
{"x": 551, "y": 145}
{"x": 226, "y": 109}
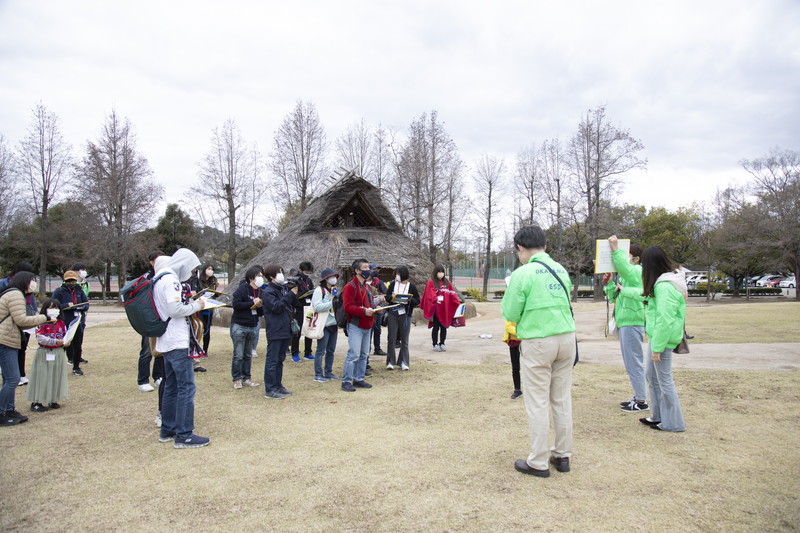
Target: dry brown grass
{"x": 426, "y": 450}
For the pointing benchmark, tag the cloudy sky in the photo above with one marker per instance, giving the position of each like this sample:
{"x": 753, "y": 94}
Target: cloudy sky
{"x": 701, "y": 84}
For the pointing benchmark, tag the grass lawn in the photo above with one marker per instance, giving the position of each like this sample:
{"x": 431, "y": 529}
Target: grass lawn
{"x": 427, "y": 450}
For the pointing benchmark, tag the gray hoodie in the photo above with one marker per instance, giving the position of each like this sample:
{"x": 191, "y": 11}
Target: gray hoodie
{"x": 678, "y": 281}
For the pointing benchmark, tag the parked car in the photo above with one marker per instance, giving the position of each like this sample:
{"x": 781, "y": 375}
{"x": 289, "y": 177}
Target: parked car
{"x": 692, "y": 280}
{"x": 766, "y": 279}
{"x": 699, "y": 278}
{"x": 788, "y": 283}
{"x": 774, "y": 282}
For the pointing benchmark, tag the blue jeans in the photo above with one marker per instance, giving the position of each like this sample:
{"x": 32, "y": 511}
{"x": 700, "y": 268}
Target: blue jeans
{"x": 355, "y": 366}
{"x": 9, "y": 364}
{"x": 273, "y": 366}
{"x": 630, "y": 342}
{"x": 177, "y": 409}
{"x": 326, "y": 346}
{"x": 664, "y": 403}
{"x": 244, "y": 339}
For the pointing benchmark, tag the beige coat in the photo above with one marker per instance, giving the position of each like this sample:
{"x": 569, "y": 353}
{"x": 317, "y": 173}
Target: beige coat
{"x": 13, "y": 303}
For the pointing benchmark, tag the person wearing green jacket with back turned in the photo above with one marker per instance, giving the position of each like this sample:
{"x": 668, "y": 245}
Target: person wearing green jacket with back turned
{"x": 539, "y": 304}
{"x": 626, "y": 295}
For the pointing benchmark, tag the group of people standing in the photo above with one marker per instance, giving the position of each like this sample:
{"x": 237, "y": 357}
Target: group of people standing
{"x": 20, "y": 318}
{"x": 650, "y": 297}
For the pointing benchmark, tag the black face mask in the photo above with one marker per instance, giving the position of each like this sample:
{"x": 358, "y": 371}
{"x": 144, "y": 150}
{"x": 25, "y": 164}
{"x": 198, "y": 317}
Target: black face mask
{"x": 365, "y": 274}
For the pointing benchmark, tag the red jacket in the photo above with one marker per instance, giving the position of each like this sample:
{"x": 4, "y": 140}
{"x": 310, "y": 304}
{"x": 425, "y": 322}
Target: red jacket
{"x": 355, "y": 300}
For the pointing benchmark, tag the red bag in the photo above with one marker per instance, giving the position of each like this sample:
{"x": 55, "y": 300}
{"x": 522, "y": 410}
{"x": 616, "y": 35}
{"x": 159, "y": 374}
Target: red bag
{"x": 458, "y": 322}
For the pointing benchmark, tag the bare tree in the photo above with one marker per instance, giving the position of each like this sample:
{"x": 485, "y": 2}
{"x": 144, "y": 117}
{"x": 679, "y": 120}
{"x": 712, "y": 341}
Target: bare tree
{"x": 600, "y": 153}
{"x": 298, "y": 154}
{"x": 8, "y": 185}
{"x": 354, "y": 149}
{"x": 488, "y": 179}
{"x": 118, "y": 185}
{"x": 528, "y": 184}
{"x": 44, "y": 160}
{"x": 381, "y": 155}
{"x": 227, "y": 194}
{"x": 777, "y": 185}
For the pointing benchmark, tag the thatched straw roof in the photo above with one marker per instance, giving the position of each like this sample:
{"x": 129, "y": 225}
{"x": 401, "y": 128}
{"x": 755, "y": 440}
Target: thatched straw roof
{"x": 347, "y": 222}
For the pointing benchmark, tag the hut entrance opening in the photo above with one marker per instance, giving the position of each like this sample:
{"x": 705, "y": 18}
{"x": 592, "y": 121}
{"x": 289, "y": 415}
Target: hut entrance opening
{"x": 355, "y": 214}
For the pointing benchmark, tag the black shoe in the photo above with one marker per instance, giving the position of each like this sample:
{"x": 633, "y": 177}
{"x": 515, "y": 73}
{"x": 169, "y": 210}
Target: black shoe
{"x": 521, "y": 465}
{"x": 362, "y": 384}
{"x": 648, "y": 422}
{"x": 199, "y": 369}
{"x": 5, "y": 421}
{"x": 561, "y": 463}
{"x": 16, "y": 415}
{"x": 77, "y": 372}
{"x": 367, "y": 374}
{"x": 378, "y": 351}
{"x": 348, "y": 387}
{"x": 84, "y": 361}
{"x": 369, "y": 367}
{"x": 283, "y": 391}
{"x": 689, "y": 337}
{"x": 39, "y": 408}
{"x": 517, "y": 393}
{"x": 53, "y": 405}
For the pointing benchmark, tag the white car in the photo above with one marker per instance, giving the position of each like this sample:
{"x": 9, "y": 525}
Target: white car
{"x": 788, "y": 283}
{"x": 763, "y": 281}
{"x": 692, "y": 280}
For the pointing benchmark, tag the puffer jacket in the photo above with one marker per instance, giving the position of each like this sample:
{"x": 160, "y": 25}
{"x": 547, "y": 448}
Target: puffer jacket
{"x": 12, "y": 306}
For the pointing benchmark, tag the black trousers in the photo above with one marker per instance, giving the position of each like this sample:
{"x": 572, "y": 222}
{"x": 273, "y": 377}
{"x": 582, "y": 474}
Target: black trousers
{"x": 295, "y": 344}
{"x": 438, "y": 332}
{"x": 514, "y": 351}
{"x": 21, "y": 353}
{"x": 75, "y": 349}
{"x": 399, "y": 327}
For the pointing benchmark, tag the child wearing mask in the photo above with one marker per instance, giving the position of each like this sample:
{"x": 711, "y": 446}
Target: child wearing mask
{"x": 83, "y": 274}
{"x": 48, "y": 380}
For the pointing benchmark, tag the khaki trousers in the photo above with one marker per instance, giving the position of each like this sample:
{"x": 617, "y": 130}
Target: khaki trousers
{"x": 546, "y": 371}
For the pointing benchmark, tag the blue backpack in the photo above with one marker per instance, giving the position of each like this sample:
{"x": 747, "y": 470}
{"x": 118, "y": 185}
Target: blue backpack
{"x": 140, "y": 306}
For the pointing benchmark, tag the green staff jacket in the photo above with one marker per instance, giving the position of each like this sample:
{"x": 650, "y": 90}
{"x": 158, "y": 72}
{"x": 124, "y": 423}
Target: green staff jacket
{"x": 665, "y": 313}
{"x": 536, "y": 301}
{"x": 629, "y": 308}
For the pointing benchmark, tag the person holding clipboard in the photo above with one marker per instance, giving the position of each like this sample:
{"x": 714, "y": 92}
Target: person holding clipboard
{"x": 400, "y": 291}
{"x": 74, "y": 304}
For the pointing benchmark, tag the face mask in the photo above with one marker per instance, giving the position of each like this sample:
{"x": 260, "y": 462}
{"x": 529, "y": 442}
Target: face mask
{"x": 332, "y": 281}
{"x": 52, "y": 314}
{"x": 259, "y": 281}
{"x": 83, "y": 274}
{"x": 209, "y": 273}
{"x": 279, "y": 278}
{"x": 440, "y": 275}
{"x": 365, "y": 274}
{"x": 33, "y": 286}
{"x": 397, "y": 279}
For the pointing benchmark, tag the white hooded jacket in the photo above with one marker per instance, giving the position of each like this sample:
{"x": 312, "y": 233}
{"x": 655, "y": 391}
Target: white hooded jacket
{"x": 167, "y": 296}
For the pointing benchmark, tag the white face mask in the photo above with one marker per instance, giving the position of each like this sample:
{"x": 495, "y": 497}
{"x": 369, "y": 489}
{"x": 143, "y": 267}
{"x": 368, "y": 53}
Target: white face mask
{"x": 83, "y": 274}
{"x": 440, "y": 275}
{"x": 279, "y": 278}
{"x": 397, "y": 279}
{"x": 33, "y": 286}
{"x": 209, "y": 273}
{"x": 259, "y": 281}
{"x": 332, "y": 281}
{"x": 52, "y": 314}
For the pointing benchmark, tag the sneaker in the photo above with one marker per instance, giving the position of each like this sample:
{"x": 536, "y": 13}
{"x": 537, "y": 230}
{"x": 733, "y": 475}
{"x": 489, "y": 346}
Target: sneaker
{"x": 283, "y": 391}
{"x": 5, "y": 421}
{"x": 84, "y": 361}
{"x": 367, "y": 374}
{"x": 362, "y": 384}
{"x": 320, "y": 379}
{"x": 53, "y": 405}
{"x": 254, "y": 354}
{"x": 237, "y": 384}
{"x": 158, "y": 419}
{"x": 378, "y": 351}
{"x": 403, "y": 366}
{"x": 192, "y": 441}
{"x": 442, "y": 348}
{"x": 16, "y": 415}
{"x": 77, "y": 372}
{"x": 274, "y": 394}
{"x": 165, "y": 437}
{"x": 634, "y": 406}
{"x": 146, "y": 387}
{"x": 369, "y": 367}
{"x": 309, "y": 356}
{"x": 23, "y": 381}
{"x": 199, "y": 369}
{"x": 389, "y": 366}
{"x": 516, "y": 394}
{"x": 348, "y": 387}
{"x": 38, "y": 408}
{"x": 250, "y": 383}
{"x": 626, "y": 402}
{"x": 332, "y": 376}
{"x": 158, "y": 383}
{"x": 436, "y": 348}
{"x": 296, "y": 358}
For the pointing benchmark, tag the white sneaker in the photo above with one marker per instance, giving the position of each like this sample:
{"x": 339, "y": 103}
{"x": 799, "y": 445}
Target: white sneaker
{"x": 436, "y": 348}
{"x": 441, "y": 348}
{"x": 237, "y": 384}
{"x": 389, "y": 366}
{"x": 254, "y": 354}
{"x": 158, "y": 382}
{"x": 158, "y": 419}
{"x": 250, "y": 383}
{"x": 403, "y": 366}
{"x": 23, "y": 381}
{"x": 146, "y": 387}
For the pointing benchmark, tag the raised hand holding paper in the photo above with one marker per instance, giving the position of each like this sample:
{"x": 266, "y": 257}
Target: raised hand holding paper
{"x": 602, "y": 258}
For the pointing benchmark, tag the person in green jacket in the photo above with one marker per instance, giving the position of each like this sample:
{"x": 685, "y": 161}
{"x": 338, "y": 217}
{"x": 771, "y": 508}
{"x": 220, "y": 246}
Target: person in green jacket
{"x": 626, "y": 295}
{"x": 537, "y": 300}
{"x": 665, "y": 310}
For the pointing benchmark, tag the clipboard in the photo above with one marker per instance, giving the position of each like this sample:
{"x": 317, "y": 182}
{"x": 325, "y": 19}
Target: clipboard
{"x": 72, "y": 329}
{"x": 202, "y": 292}
{"x": 212, "y": 304}
{"x": 602, "y": 257}
{"x": 73, "y": 306}
{"x": 376, "y": 309}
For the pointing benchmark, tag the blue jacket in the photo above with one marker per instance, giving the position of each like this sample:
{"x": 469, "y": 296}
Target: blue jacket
{"x": 68, "y": 297}
{"x": 242, "y": 301}
{"x": 278, "y": 311}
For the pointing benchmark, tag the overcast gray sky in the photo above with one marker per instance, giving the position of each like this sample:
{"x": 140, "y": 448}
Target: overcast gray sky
{"x": 701, "y": 84}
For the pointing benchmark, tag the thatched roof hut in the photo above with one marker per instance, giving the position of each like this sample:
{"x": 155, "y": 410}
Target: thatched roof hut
{"x": 347, "y": 222}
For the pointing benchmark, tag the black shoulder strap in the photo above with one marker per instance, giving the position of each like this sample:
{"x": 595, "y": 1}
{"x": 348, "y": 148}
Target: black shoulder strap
{"x": 569, "y": 301}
